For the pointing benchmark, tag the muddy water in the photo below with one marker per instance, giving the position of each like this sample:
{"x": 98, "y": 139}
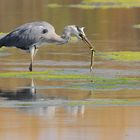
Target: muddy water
{"x": 100, "y": 123}
{"x": 39, "y": 109}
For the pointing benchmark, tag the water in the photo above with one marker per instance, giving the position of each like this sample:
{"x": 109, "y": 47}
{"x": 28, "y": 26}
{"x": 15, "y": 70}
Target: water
{"x": 39, "y": 109}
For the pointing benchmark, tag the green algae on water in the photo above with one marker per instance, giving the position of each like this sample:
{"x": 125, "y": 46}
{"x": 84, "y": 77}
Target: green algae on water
{"x": 103, "y": 4}
{"x": 108, "y": 84}
{"x": 136, "y": 26}
{"x": 109, "y": 3}
{"x": 106, "y": 1}
{"x": 121, "y": 56}
{"x": 84, "y": 81}
{"x": 103, "y": 102}
{"x": 54, "y": 5}
{"x": 50, "y": 74}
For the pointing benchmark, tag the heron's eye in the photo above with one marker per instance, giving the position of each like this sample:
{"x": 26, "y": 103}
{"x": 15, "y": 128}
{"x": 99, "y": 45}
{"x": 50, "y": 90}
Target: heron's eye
{"x": 81, "y": 35}
{"x": 44, "y": 31}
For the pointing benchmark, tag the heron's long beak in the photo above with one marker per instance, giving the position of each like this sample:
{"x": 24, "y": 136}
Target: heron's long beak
{"x": 88, "y": 43}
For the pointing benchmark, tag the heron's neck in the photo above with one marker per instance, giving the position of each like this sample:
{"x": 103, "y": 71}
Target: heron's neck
{"x": 66, "y": 35}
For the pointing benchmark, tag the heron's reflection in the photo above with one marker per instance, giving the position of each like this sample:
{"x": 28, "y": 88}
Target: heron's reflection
{"x": 28, "y": 92}
{"x": 33, "y": 93}
{"x": 51, "y": 112}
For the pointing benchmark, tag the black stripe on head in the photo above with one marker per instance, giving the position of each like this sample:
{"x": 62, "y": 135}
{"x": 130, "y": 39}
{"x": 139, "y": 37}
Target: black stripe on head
{"x": 80, "y": 32}
{"x": 78, "y": 28}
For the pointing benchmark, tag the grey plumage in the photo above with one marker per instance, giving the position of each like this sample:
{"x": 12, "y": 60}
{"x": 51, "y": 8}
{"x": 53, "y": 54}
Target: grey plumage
{"x": 30, "y": 36}
{"x": 26, "y": 35}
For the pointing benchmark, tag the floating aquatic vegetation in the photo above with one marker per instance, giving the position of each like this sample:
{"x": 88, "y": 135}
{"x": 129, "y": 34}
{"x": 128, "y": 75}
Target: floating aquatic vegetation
{"x": 121, "y": 56}
{"x": 50, "y": 74}
{"x": 136, "y": 26}
{"x": 108, "y": 84}
{"x": 84, "y": 81}
{"x": 103, "y": 102}
{"x": 82, "y": 6}
{"x": 92, "y": 4}
{"x": 54, "y": 5}
{"x": 112, "y": 1}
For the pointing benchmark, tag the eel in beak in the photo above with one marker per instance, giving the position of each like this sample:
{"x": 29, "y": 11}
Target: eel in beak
{"x": 91, "y": 47}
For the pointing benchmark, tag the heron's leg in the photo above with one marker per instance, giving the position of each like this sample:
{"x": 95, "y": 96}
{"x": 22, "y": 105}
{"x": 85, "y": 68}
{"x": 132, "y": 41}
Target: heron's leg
{"x": 32, "y": 52}
{"x": 36, "y": 50}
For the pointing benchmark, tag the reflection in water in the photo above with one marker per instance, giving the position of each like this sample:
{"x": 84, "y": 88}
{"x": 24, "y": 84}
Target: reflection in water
{"x": 76, "y": 110}
{"x": 111, "y": 29}
{"x": 40, "y": 90}
{"x": 50, "y": 112}
{"x": 26, "y": 93}
{"x": 99, "y": 123}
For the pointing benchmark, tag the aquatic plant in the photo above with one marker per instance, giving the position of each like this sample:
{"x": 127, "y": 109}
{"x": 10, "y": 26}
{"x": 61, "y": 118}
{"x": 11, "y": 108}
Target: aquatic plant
{"x": 121, "y": 56}
{"x": 104, "y": 4}
{"x": 103, "y": 102}
{"x": 118, "y": 1}
{"x": 84, "y": 81}
{"x": 136, "y": 26}
{"x": 54, "y": 5}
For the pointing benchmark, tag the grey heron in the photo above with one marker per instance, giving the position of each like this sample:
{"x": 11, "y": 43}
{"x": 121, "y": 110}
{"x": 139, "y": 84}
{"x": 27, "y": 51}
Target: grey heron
{"x": 31, "y": 36}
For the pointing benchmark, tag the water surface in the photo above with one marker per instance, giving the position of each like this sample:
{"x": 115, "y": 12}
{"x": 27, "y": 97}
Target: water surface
{"x": 40, "y": 109}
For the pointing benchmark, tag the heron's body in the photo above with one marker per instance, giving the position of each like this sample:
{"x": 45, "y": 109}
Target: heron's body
{"x": 28, "y": 35}
{"x": 31, "y": 36}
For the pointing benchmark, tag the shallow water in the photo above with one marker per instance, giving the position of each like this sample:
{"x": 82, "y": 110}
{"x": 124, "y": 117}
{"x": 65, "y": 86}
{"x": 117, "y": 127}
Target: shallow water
{"x": 39, "y": 109}
{"x": 70, "y": 123}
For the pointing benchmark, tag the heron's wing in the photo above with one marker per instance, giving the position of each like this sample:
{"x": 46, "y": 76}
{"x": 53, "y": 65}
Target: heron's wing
{"x": 22, "y": 37}
{"x": 25, "y": 35}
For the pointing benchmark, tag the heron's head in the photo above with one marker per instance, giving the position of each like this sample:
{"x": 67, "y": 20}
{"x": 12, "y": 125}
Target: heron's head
{"x": 80, "y": 34}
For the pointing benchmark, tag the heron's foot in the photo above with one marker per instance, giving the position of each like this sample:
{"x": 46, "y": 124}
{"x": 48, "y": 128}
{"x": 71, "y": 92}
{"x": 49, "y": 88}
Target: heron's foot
{"x": 30, "y": 67}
